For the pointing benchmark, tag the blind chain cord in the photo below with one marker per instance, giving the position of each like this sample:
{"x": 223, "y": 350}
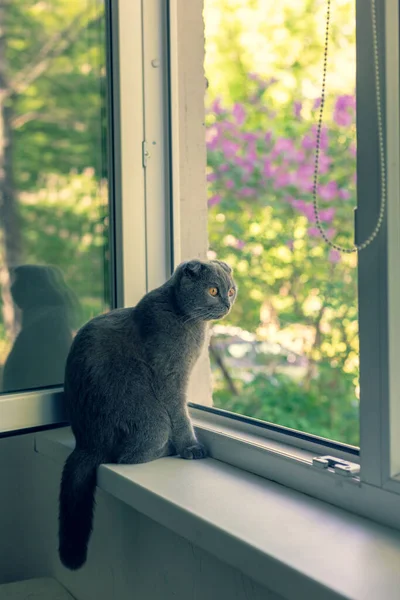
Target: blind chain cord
{"x": 367, "y": 242}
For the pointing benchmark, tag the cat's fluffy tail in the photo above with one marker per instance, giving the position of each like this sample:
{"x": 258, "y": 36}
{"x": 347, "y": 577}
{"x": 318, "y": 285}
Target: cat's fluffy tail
{"x": 78, "y": 486}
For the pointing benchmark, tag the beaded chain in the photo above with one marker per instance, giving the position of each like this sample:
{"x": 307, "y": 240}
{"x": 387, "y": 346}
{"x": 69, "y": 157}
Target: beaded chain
{"x": 367, "y": 242}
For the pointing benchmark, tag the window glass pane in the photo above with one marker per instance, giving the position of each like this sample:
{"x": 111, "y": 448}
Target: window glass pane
{"x": 54, "y": 254}
{"x": 288, "y": 353}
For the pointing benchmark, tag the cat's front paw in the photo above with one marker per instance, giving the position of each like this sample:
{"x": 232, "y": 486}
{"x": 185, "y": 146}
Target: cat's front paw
{"x": 194, "y": 452}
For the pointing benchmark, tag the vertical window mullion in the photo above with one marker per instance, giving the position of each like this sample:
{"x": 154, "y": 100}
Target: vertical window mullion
{"x": 372, "y": 272}
{"x": 156, "y": 138}
{"x": 391, "y": 416}
{"x": 173, "y": 73}
{"x": 130, "y": 191}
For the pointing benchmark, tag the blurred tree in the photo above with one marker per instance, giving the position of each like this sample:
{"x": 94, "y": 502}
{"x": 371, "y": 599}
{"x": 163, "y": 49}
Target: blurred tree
{"x": 52, "y": 111}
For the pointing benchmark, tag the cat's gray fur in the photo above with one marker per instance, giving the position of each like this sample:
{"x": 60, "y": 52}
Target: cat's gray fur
{"x": 125, "y": 385}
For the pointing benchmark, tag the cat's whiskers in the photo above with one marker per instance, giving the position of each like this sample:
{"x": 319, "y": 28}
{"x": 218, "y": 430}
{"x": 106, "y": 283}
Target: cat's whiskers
{"x": 198, "y": 314}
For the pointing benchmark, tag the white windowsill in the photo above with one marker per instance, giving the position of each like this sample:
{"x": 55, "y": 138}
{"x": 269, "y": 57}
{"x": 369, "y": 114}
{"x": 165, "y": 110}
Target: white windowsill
{"x": 295, "y": 545}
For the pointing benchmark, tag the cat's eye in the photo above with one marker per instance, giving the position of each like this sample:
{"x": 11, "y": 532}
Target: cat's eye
{"x": 231, "y": 292}
{"x": 213, "y": 291}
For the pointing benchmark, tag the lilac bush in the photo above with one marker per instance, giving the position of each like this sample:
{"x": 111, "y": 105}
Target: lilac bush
{"x": 261, "y": 220}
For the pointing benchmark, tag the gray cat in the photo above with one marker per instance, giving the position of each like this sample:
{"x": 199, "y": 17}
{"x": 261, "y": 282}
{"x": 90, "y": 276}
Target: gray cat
{"x": 126, "y": 380}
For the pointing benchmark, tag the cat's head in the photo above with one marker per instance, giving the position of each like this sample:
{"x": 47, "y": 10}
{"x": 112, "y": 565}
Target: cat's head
{"x": 37, "y": 286}
{"x": 205, "y": 290}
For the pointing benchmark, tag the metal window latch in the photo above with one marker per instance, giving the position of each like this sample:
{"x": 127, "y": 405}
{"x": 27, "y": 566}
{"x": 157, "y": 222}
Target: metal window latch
{"x": 145, "y": 154}
{"x": 336, "y": 465}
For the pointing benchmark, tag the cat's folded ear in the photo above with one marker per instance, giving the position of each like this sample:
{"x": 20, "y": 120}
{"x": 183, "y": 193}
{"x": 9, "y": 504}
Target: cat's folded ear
{"x": 223, "y": 266}
{"x": 192, "y": 268}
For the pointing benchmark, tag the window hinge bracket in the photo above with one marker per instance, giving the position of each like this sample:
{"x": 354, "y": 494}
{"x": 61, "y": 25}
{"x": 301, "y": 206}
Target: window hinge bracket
{"x": 145, "y": 154}
{"x": 336, "y": 466}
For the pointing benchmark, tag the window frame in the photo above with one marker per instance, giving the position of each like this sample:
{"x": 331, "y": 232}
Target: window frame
{"x": 32, "y": 410}
{"x": 285, "y": 456}
{"x": 137, "y": 193}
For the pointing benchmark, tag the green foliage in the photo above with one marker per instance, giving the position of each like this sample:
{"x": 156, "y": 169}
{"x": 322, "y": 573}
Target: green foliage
{"x": 281, "y": 400}
{"x": 56, "y": 111}
{"x": 66, "y": 224}
{"x": 293, "y": 289}
{"x": 57, "y": 115}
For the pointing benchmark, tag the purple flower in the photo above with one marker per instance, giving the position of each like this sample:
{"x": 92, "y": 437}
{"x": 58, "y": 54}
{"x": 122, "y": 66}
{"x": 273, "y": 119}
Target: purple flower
{"x": 307, "y": 209}
{"x": 216, "y": 107}
{"x": 283, "y": 146}
{"x": 324, "y": 140}
{"x": 230, "y": 184}
{"x": 248, "y": 168}
{"x": 230, "y": 148}
{"x": 298, "y": 204}
{"x": 328, "y": 191}
{"x": 334, "y": 256}
{"x": 297, "y": 106}
{"x": 216, "y": 199}
{"x": 303, "y": 178}
{"x": 324, "y": 163}
{"x": 308, "y": 212}
{"x": 247, "y": 192}
{"x": 305, "y": 171}
{"x": 268, "y": 136}
{"x": 346, "y": 101}
{"x": 240, "y": 244}
{"x": 239, "y": 160}
{"x": 344, "y": 194}
{"x": 246, "y": 165}
{"x": 268, "y": 169}
{"x": 327, "y": 214}
{"x": 298, "y": 155}
{"x": 310, "y": 140}
{"x": 344, "y": 110}
{"x": 249, "y": 137}
{"x": 282, "y": 179}
{"x": 211, "y": 177}
{"x": 342, "y": 118}
{"x": 315, "y": 232}
{"x": 263, "y": 83}
{"x": 317, "y": 103}
{"x": 212, "y": 138}
{"x": 252, "y": 153}
{"x": 239, "y": 114}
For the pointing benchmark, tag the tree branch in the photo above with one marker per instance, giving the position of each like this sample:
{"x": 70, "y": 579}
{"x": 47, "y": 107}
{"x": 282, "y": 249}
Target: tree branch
{"x": 51, "y": 50}
{"x": 20, "y": 120}
{"x": 219, "y": 360}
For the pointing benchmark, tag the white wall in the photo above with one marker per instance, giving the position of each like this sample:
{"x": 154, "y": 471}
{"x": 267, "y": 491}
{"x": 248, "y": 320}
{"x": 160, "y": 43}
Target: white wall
{"x": 131, "y": 556}
{"x": 23, "y": 490}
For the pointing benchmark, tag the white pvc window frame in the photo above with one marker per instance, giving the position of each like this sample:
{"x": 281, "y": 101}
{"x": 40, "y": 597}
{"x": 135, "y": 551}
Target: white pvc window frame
{"x": 277, "y": 453}
{"x": 138, "y": 95}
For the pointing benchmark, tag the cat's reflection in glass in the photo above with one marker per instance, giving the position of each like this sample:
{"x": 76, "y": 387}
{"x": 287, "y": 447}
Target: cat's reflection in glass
{"x": 49, "y": 311}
